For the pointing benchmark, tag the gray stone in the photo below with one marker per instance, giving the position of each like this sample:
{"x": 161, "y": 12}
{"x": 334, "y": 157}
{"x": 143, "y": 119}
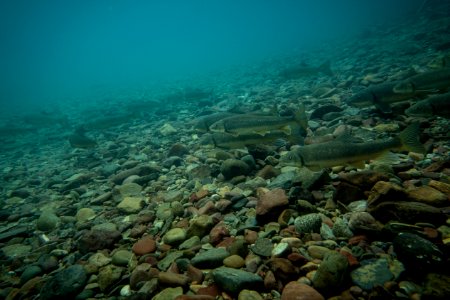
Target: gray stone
{"x": 331, "y": 273}
{"x": 122, "y": 257}
{"x": 375, "y": 272}
{"x": 262, "y": 247}
{"x": 47, "y": 221}
{"x": 212, "y": 258}
{"x": 65, "y": 284}
{"x": 234, "y": 280}
{"x": 308, "y": 223}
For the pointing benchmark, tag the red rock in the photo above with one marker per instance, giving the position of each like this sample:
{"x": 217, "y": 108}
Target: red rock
{"x": 145, "y": 245}
{"x": 196, "y": 275}
{"x": 268, "y": 172}
{"x": 269, "y": 200}
{"x": 173, "y": 279}
{"x": 299, "y": 291}
{"x": 218, "y": 233}
{"x": 207, "y": 209}
{"x": 211, "y": 290}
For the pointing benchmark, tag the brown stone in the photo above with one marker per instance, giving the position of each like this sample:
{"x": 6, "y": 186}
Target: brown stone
{"x": 386, "y": 191}
{"x": 440, "y": 186}
{"x": 218, "y": 232}
{"x": 428, "y": 195}
{"x": 283, "y": 268}
{"x": 268, "y": 172}
{"x": 173, "y": 279}
{"x": 144, "y": 245}
{"x": 299, "y": 291}
{"x": 364, "y": 179}
{"x": 196, "y": 275}
{"x": 267, "y": 201}
{"x": 408, "y": 212}
{"x": 250, "y": 236}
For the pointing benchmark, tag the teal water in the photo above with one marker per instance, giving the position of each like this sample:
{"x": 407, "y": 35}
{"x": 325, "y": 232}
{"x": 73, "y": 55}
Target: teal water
{"x": 56, "y": 52}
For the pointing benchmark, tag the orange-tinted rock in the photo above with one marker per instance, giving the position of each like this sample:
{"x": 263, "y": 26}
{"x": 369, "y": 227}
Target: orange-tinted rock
{"x": 269, "y": 200}
{"x": 218, "y": 232}
{"x": 196, "y": 275}
{"x": 144, "y": 245}
{"x": 299, "y": 291}
{"x": 428, "y": 195}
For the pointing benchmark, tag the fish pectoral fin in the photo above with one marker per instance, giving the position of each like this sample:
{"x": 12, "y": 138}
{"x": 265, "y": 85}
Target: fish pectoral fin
{"x": 287, "y": 130}
{"x": 261, "y": 132}
{"x": 387, "y": 158}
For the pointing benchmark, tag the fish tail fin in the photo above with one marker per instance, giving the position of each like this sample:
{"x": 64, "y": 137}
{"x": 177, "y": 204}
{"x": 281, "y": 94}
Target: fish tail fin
{"x": 301, "y": 118}
{"x": 409, "y": 138}
{"x": 325, "y": 68}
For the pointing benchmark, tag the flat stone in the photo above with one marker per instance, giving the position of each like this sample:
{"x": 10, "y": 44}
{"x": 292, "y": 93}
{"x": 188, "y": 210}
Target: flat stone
{"x": 210, "y": 259}
{"x": 131, "y": 204}
{"x": 300, "y": 291}
{"x": 428, "y": 195}
{"x": 234, "y": 261}
{"x": 375, "y": 272}
{"x": 262, "y": 247}
{"x": 175, "y": 236}
{"x": 269, "y": 200}
{"x": 65, "y": 284}
{"x": 85, "y": 214}
{"x": 234, "y": 280}
{"x": 145, "y": 245}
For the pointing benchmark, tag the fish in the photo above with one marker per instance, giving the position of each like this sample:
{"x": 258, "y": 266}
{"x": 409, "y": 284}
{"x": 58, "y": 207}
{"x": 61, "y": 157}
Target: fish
{"x": 437, "y": 105}
{"x": 381, "y": 96}
{"x": 227, "y": 141}
{"x": 203, "y": 123}
{"x": 344, "y": 151}
{"x": 260, "y": 124}
{"x": 432, "y": 81}
{"x": 305, "y": 71}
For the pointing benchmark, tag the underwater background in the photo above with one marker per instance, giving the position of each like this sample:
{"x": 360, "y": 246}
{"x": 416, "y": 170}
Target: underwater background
{"x": 225, "y": 149}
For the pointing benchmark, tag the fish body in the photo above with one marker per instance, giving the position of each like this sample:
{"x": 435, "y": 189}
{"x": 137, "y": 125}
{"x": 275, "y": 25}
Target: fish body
{"x": 203, "y": 123}
{"x": 227, "y": 141}
{"x": 260, "y": 124}
{"x": 381, "y": 96}
{"x": 437, "y": 105}
{"x": 304, "y": 71}
{"x": 345, "y": 152}
{"x": 425, "y": 82}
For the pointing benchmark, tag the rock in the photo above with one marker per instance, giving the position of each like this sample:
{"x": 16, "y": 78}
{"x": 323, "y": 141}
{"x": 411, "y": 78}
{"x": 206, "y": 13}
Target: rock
{"x": 169, "y": 294}
{"x": 233, "y": 167}
{"x": 437, "y": 286}
{"x": 318, "y": 252}
{"x": 262, "y": 247}
{"x": 331, "y": 273}
{"x": 96, "y": 239}
{"x": 173, "y": 279}
{"x": 141, "y": 170}
{"x": 178, "y": 149}
{"x": 417, "y": 253}
{"x": 122, "y": 258}
{"x": 175, "y": 236}
{"x": 268, "y": 172}
{"x": 267, "y": 201}
{"x": 234, "y": 261}
{"x": 308, "y": 223}
{"x": 318, "y": 113}
{"x": 29, "y": 273}
{"x": 130, "y": 189}
{"x": 145, "y": 245}
{"x": 169, "y": 259}
{"x": 167, "y": 130}
{"x": 408, "y": 212}
{"x": 346, "y": 192}
{"x": 47, "y": 221}
{"x": 99, "y": 259}
{"x": 131, "y": 205}
{"x": 85, "y": 214}
{"x": 281, "y": 249}
{"x": 172, "y": 161}
{"x": 210, "y": 259}
{"x": 16, "y": 250}
{"x": 376, "y": 272}
{"x": 218, "y": 232}
{"x": 300, "y": 291}
{"x": 365, "y": 180}
{"x": 386, "y": 191}
{"x": 108, "y": 276}
{"x": 428, "y": 195}
{"x": 249, "y": 295}
{"x": 200, "y": 226}
{"x": 190, "y": 243}
{"x": 234, "y": 281}
{"x": 65, "y": 284}
{"x": 341, "y": 229}
{"x": 363, "y": 221}
{"x": 283, "y": 268}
